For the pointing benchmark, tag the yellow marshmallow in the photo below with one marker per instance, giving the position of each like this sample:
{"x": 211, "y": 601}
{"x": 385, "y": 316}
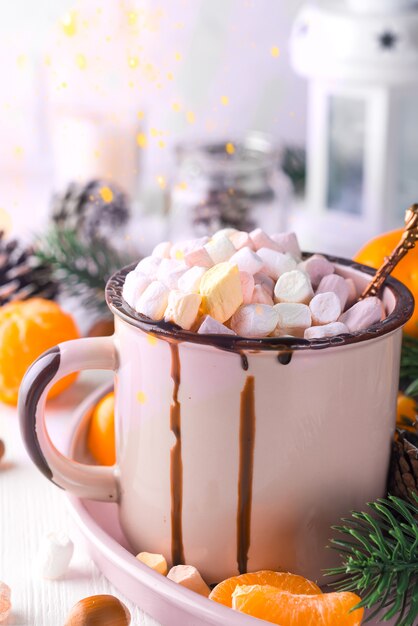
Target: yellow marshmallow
{"x": 155, "y": 561}
{"x": 221, "y": 290}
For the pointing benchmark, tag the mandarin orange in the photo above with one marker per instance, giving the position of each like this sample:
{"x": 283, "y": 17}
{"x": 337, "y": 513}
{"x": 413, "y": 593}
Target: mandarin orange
{"x": 101, "y": 435}
{"x": 374, "y": 253}
{"x": 222, "y": 593}
{"x": 27, "y": 329}
{"x": 292, "y": 609}
{"x": 406, "y": 412}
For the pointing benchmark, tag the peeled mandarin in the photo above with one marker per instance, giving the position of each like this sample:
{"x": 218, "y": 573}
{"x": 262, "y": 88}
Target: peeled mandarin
{"x": 101, "y": 434}
{"x": 222, "y": 593}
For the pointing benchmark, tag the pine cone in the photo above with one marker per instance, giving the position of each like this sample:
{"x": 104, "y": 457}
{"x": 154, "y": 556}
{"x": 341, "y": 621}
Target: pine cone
{"x": 403, "y": 475}
{"x": 22, "y": 276}
{"x": 93, "y": 210}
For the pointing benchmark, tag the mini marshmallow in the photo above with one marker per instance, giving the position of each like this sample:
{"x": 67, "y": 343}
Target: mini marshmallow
{"x": 265, "y": 281}
{"x": 260, "y": 296}
{"x": 181, "y": 248}
{"x": 247, "y": 261}
{"x": 325, "y": 308}
{"x": 134, "y": 286}
{"x": 221, "y": 290}
{"x": 199, "y": 256}
{"x": 260, "y": 239}
{"x": 155, "y": 561}
{"x": 153, "y": 302}
{"x": 363, "y": 314}
{"x": 336, "y": 284}
{"x": 241, "y": 239}
{"x": 170, "y": 271}
{"x": 182, "y": 308}
{"x": 352, "y": 293}
{"x": 225, "y": 232}
{"x": 293, "y": 318}
{"x": 210, "y": 326}
{"x": 247, "y": 285}
{"x": 288, "y": 242}
{"x": 220, "y": 249}
{"x": 162, "y": 250}
{"x": 317, "y": 266}
{"x": 254, "y": 320}
{"x": 329, "y": 330}
{"x": 293, "y": 286}
{"x": 54, "y": 556}
{"x": 149, "y": 266}
{"x": 189, "y": 577}
{"x": 189, "y": 282}
{"x": 276, "y": 263}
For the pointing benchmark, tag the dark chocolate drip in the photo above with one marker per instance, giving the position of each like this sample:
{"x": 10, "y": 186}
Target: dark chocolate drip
{"x": 176, "y": 464}
{"x": 244, "y": 361}
{"x": 284, "y": 357}
{"x": 245, "y": 477}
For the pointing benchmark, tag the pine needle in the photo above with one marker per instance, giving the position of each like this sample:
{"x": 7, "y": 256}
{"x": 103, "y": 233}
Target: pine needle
{"x": 409, "y": 365}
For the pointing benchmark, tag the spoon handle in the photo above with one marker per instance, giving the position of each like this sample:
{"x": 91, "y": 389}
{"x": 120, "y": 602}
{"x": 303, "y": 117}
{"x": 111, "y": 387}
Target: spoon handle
{"x": 407, "y": 242}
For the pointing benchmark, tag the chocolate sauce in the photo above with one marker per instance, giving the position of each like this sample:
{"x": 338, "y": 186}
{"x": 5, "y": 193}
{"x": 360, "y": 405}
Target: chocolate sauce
{"x": 176, "y": 464}
{"x": 284, "y": 358}
{"x": 244, "y": 361}
{"x": 245, "y": 477}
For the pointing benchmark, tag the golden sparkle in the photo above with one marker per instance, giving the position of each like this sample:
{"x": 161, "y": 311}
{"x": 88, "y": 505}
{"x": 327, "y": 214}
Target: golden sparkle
{"x": 140, "y": 115}
{"x": 106, "y": 194}
{"x": 224, "y": 100}
{"x": 190, "y": 117}
{"x": 179, "y": 255}
{"x": 162, "y": 183}
{"x": 141, "y": 140}
{"x": 230, "y": 148}
{"x": 141, "y": 397}
{"x": 133, "y": 62}
{"x": 182, "y": 185}
{"x": 274, "y": 51}
{"x": 21, "y": 61}
{"x": 152, "y": 340}
{"x": 176, "y": 106}
{"x": 170, "y": 76}
{"x": 161, "y": 144}
{"x": 81, "y": 61}
{"x": 178, "y": 56}
{"x": 69, "y": 23}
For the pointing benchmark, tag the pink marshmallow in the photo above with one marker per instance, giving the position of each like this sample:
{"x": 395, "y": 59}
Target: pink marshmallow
{"x": 352, "y": 292}
{"x": 261, "y": 296}
{"x": 199, "y": 257}
{"x": 328, "y": 330}
{"x": 247, "y": 286}
{"x": 247, "y": 261}
{"x": 336, "y": 284}
{"x": 363, "y": 314}
{"x": 287, "y": 242}
{"x": 169, "y": 272}
{"x": 210, "y": 326}
{"x": 276, "y": 263}
{"x": 317, "y": 266}
{"x": 241, "y": 239}
{"x": 261, "y": 240}
{"x": 325, "y": 308}
{"x": 179, "y": 250}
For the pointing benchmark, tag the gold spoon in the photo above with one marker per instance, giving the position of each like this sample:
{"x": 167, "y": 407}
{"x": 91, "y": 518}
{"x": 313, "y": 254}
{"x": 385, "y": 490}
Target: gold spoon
{"x": 407, "y": 242}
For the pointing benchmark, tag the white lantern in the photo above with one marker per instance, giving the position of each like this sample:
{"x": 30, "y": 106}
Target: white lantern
{"x": 361, "y": 61}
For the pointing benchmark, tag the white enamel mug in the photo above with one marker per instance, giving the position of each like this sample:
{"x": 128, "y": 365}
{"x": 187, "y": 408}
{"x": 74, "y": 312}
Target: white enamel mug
{"x": 233, "y": 455}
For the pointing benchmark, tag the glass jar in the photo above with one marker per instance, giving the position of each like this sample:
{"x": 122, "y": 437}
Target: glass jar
{"x": 228, "y": 185}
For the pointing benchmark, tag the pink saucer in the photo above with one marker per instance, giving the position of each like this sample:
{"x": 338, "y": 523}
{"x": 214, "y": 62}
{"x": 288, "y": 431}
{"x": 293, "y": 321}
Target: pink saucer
{"x": 167, "y": 602}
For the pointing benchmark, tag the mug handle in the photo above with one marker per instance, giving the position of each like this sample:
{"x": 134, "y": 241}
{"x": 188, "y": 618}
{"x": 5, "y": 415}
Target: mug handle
{"x": 85, "y": 481}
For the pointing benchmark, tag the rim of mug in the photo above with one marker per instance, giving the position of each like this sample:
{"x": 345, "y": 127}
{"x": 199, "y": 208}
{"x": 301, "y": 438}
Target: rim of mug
{"x": 402, "y": 312}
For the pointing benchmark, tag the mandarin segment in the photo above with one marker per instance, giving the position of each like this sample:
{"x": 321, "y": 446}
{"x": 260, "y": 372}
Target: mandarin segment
{"x": 222, "y": 593}
{"x": 291, "y": 609}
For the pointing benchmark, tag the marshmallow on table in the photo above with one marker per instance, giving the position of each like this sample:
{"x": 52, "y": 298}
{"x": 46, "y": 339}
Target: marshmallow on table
{"x": 241, "y": 239}
{"x": 363, "y": 314}
{"x": 329, "y": 330}
{"x": 189, "y": 577}
{"x": 221, "y": 290}
{"x": 265, "y": 281}
{"x": 134, "y": 286}
{"x": 220, "y": 249}
{"x": 336, "y": 284}
{"x": 210, "y": 326}
{"x": 261, "y": 296}
{"x": 276, "y": 263}
{"x": 293, "y": 286}
{"x": 247, "y": 261}
{"x": 189, "y": 282}
{"x": 182, "y": 308}
{"x": 260, "y": 239}
{"x": 293, "y": 318}
{"x": 153, "y": 302}
{"x": 325, "y": 308}
{"x": 162, "y": 250}
{"x": 352, "y": 291}
{"x": 155, "y": 561}
{"x": 54, "y": 556}
{"x": 170, "y": 271}
{"x": 288, "y": 242}
{"x": 199, "y": 256}
{"x": 149, "y": 266}
{"x": 254, "y": 320}
{"x": 317, "y": 266}
{"x": 247, "y": 285}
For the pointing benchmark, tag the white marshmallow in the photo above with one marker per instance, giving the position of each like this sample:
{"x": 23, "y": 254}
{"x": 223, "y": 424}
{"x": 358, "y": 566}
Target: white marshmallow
{"x": 338, "y": 285}
{"x": 182, "y": 308}
{"x": 149, "y": 266}
{"x": 210, "y": 326}
{"x": 265, "y": 281}
{"x": 220, "y": 249}
{"x": 293, "y": 318}
{"x": 352, "y": 293}
{"x": 329, "y": 330}
{"x": 189, "y": 282}
{"x": 199, "y": 256}
{"x": 325, "y": 308}
{"x": 247, "y": 261}
{"x": 170, "y": 271}
{"x": 189, "y": 577}
{"x": 241, "y": 239}
{"x": 363, "y": 314}
{"x": 254, "y": 320}
{"x": 181, "y": 248}
{"x": 225, "y": 232}
{"x": 261, "y": 240}
{"x": 276, "y": 263}
{"x": 288, "y": 242}
{"x": 153, "y": 302}
{"x": 162, "y": 250}
{"x": 247, "y": 285}
{"x": 134, "y": 286}
{"x": 293, "y": 286}
{"x": 261, "y": 296}
{"x": 156, "y": 562}
{"x": 317, "y": 266}
{"x": 54, "y": 556}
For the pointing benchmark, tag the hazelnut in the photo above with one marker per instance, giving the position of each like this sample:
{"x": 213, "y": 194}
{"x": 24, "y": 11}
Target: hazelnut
{"x": 102, "y": 610}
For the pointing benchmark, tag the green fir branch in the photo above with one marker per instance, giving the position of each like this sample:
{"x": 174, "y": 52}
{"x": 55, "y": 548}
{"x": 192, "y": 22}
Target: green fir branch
{"x": 409, "y": 365}
{"x": 379, "y": 552}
